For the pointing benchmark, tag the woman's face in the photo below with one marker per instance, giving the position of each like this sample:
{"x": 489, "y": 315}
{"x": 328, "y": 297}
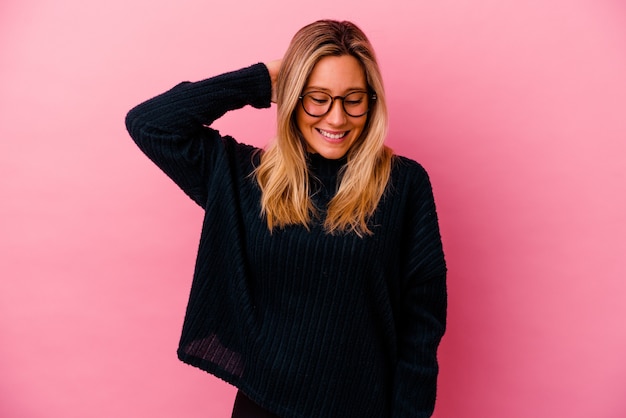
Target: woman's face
{"x": 332, "y": 134}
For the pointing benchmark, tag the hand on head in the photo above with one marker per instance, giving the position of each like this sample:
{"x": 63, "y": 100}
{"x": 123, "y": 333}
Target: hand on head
{"x": 273, "y": 67}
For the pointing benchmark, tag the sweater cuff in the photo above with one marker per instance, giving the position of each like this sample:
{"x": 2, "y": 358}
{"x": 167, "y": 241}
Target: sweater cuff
{"x": 259, "y": 76}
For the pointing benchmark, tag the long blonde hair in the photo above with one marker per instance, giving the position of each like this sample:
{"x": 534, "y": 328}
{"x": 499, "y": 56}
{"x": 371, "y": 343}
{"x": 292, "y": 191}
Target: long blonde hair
{"x": 282, "y": 173}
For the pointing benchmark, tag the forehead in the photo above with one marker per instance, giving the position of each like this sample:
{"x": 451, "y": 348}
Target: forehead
{"x": 337, "y": 74}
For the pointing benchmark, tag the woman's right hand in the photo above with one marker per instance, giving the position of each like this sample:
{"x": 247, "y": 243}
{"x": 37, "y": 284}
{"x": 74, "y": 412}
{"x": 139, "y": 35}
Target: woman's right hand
{"x": 273, "y": 67}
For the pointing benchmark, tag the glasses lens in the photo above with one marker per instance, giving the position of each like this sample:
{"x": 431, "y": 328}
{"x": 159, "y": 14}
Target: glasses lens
{"x": 356, "y": 104}
{"x": 316, "y": 103}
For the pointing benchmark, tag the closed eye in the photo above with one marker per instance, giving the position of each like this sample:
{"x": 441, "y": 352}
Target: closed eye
{"x": 353, "y": 102}
{"x": 320, "y": 100}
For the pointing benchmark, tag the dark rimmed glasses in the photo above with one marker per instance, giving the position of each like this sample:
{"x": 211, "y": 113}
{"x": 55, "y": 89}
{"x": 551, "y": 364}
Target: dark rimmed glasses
{"x": 319, "y": 103}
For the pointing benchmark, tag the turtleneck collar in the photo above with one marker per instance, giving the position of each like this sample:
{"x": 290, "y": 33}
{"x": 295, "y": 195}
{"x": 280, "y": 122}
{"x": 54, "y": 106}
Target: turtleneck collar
{"x": 323, "y": 167}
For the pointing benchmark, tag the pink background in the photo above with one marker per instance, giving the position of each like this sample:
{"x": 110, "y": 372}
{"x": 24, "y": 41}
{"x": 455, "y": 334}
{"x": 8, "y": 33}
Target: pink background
{"x": 516, "y": 108}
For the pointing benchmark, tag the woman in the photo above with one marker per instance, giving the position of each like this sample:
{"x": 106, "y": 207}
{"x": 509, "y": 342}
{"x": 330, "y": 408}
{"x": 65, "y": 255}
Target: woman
{"x": 319, "y": 288}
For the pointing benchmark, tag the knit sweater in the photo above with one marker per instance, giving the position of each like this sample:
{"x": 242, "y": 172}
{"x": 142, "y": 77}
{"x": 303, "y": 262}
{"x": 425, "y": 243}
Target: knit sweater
{"x": 305, "y": 323}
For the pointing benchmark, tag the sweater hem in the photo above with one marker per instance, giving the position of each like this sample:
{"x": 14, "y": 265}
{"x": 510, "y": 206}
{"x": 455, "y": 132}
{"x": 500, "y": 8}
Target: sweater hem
{"x": 219, "y": 372}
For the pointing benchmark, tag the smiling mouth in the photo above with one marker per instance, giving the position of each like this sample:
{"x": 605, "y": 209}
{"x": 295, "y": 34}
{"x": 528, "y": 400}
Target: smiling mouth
{"x": 331, "y": 135}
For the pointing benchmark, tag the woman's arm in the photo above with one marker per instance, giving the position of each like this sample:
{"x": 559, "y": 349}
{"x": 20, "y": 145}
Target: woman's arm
{"x": 422, "y": 314}
{"x": 172, "y": 128}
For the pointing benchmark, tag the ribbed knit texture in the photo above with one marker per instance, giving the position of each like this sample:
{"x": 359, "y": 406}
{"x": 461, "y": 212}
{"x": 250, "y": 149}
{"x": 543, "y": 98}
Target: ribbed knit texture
{"x": 308, "y": 325}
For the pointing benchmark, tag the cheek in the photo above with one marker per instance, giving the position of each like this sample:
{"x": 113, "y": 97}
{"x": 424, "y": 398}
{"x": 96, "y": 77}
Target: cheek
{"x": 303, "y": 121}
{"x": 360, "y": 126}
{"x": 303, "y": 127}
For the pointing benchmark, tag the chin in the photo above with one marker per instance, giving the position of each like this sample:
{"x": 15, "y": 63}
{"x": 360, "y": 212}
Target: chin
{"x": 333, "y": 154}
{"x": 328, "y": 150}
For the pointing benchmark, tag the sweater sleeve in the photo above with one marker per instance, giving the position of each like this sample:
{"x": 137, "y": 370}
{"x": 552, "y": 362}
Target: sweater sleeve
{"x": 422, "y": 316}
{"x": 172, "y": 129}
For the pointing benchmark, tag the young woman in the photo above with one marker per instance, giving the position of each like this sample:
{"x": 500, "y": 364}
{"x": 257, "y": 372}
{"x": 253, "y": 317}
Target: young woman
{"x": 319, "y": 288}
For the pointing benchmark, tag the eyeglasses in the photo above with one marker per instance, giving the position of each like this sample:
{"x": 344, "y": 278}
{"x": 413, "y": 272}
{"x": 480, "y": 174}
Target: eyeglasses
{"x": 318, "y": 103}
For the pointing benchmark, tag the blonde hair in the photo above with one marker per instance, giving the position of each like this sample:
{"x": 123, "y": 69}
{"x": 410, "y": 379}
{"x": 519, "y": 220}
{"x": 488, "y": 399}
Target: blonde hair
{"x": 282, "y": 173}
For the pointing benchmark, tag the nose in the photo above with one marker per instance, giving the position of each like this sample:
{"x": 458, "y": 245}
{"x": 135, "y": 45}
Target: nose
{"x": 336, "y": 115}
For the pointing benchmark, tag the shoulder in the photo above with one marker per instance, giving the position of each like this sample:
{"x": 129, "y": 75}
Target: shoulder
{"x": 234, "y": 146}
{"x": 406, "y": 164}
{"x": 238, "y": 153}
{"x": 408, "y": 171}
{"x": 410, "y": 184}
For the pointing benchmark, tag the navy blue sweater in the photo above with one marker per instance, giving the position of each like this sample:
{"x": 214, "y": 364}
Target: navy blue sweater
{"x": 306, "y": 324}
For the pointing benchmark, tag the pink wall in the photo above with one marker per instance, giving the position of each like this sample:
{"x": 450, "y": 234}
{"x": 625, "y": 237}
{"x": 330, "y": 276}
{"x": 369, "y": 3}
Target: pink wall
{"x": 517, "y": 109}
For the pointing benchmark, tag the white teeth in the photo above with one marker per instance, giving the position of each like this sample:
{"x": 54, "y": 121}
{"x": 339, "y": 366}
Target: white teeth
{"x": 333, "y": 136}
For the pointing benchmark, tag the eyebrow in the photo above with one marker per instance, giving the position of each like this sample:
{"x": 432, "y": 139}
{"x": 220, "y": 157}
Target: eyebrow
{"x": 318, "y": 88}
